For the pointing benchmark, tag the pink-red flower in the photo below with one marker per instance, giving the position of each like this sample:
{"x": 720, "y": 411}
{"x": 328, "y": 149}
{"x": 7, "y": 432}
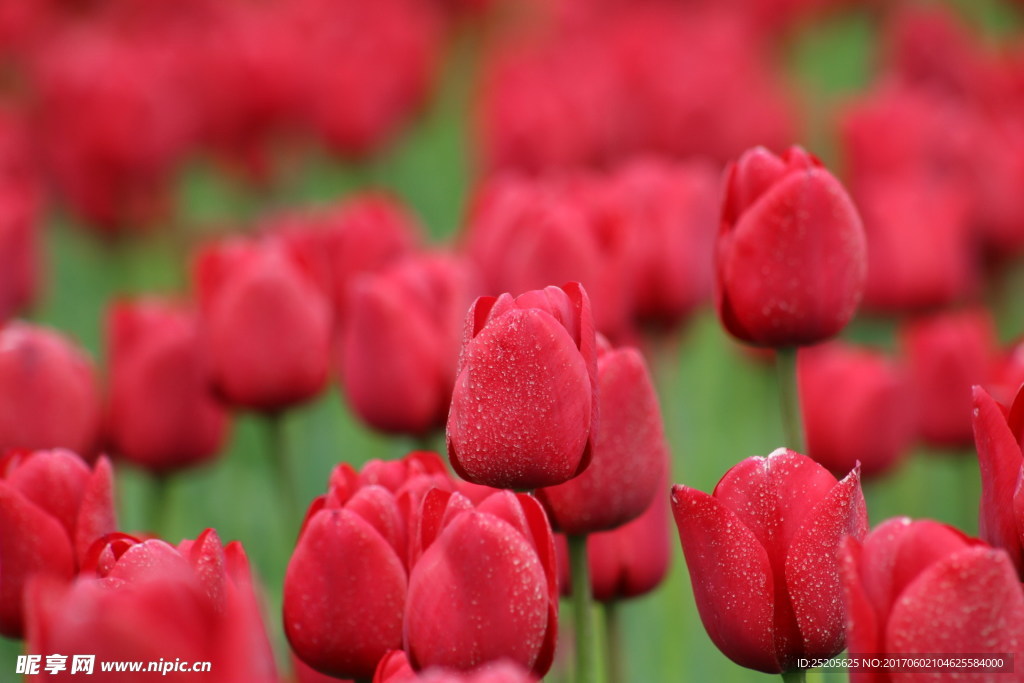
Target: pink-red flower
{"x": 761, "y": 551}
{"x": 947, "y": 354}
{"x": 857, "y": 407}
{"x": 484, "y": 586}
{"x": 49, "y": 395}
{"x": 266, "y": 324}
{"x": 162, "y": 411}
{"x": 52, "y": 508}
{"x": 791, "y": 254}
{"x": 148, "y": 600}
{"x": 998, "y": 431}
{"x": 630, "y": 453}
{"x": 524, "y": 407}
{"x": 400, "y": 346}
{"x": 923, "y": 587}
{"x": 395, "y": 668}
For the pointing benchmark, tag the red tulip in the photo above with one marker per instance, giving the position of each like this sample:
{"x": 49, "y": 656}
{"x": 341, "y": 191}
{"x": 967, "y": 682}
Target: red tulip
{"x": 761, "y": 554}
{"x": 112, "y": 144}
{"x": 149, "y": 601}
{"x": 395, "y": 668}
{"x": 857, "y": 407}
{"x": 49, "y": 396}
{"x": 266, "y": 323}
{"x": 947, "y": 354}
{"x": 791, "y": 251}
{"x": 920, "y": 251}
{"x": 525, "y": 234}
{"x": 52, "y": 508}
{"x": 18, "y": 251}
{"x": 998, "y": 432}
{"x": 923, "y": 587}
{"x": 162, "y": 412}
{"x": 524, "y": 405}
{"x": 341, "y": 616}
{"x": 400, "y": 346}
{"x": 671, "y": 211}
{"x": 633, "y": 559}
{"x": 485, "y": 587}
{"x": 361, "y": 235}
{"x": 630, "y": 453}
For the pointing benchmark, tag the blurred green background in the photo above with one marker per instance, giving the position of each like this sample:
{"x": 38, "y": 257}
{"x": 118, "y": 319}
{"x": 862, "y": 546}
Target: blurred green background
{"x": 719, "y": 405}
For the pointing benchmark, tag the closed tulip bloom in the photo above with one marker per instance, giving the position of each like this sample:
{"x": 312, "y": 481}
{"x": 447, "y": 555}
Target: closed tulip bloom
{"x": 524, "y": 405}
{"x": 791, "y": 254}
{"x": 345, "y": 588}
{"x": 672, "y": 210}
{"x": 921, "y": 586}
{"x": 395, "y": 668}
{"x": 162, "y": 412}
{"x": 947, "y": 354}
{"x": 49, "y": 395}
{"x": 52, "y": 508}
{"x": 362, "y": 235}
{"x": 633, "y": 559}
{"x": 525, "y": 234}
{"x": 19, "y": 258}
{"x": 630, "y": 454}
{"x": 148, "y": 600}
{"x": 266, "y": 324}
{"x": 484, "y": 587}
{"x": 920, "y": 251}
{"x": 857, "y": 407}
{"x": 761, "y": 553}
{"x": 998, "y": 432}
{"x": 400, "y": 346}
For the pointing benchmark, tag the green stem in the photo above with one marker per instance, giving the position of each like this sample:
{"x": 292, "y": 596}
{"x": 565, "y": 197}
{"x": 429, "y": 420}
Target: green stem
{"x": 797, "y": 676}
{"x": 277, "y": 450}
{"x": 159, "y": 506}
{"x": 586, "y": 655}
{"x": 789, "y": 395}
{"x": 615, "y": 642}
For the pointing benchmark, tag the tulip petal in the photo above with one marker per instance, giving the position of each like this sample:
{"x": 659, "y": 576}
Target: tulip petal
{"x": 970, "y": 602}
{"x": 31, "y": 543}
{"x": 999, "y": 457}
{"x": 862, "y": 634}
{"x": 812, "y": 569}
{"x": 344, "y": 595}
{"x": 732, "y": 578}
{"x": 96, "y": 516}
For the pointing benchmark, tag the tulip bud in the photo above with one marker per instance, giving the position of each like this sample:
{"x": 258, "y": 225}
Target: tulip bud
{"x": 761, "y": 554}
{"x": 947, "y": 354}
{"x": 998, "y": 433}
{"x": 52, "y": 508}
{"x": 484, "y": 587}
{"x": 342, "y": 616}
{"x": 196, "y": 603}
{"x": 162, "y": 412}
{"x": 400, "y": 346}
{"x": 630, "y": 454}
{"x": 791, "y": 262}
{"x": 395, "y": 668}
{"x": 266, "y": 324}
{"x": 857, "y": 407}
{"x": 921, "y": 586}
{"x": 671, "y": 210}
{"x": 524, "y": 405}
{"x": 526, "y": 234}
{"x": 49, "y": 396}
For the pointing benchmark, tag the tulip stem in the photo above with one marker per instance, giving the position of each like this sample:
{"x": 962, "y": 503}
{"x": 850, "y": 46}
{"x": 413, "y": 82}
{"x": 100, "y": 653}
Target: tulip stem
{"x": 789, "y": 395}
{"x": 615, "y": 642}
{"x": 159, "y": 504}
{"x": 277, "y": 449}
{"x": 586, "y": 655}
{"x": 795, "y": 676}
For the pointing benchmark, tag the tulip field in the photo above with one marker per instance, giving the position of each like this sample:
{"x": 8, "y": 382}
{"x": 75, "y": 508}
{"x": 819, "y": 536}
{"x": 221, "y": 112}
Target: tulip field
{"x": 488, "y": 341}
